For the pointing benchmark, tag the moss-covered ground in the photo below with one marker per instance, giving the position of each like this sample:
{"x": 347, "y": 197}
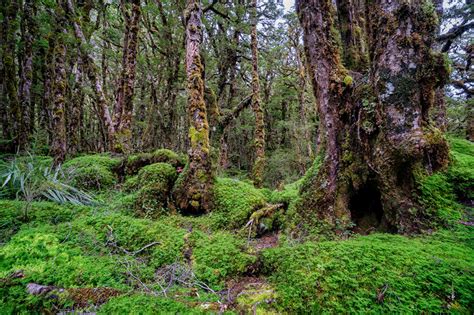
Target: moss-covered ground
{"x": 111, "y": 258}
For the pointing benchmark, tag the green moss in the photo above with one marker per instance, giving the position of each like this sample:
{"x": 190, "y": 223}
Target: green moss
{"x": 461, "y": 171}
{"x": 93, "y": 172}
{"x": 156, "y": 182}
{"x": 146, "y": 304}
{"x": 12, "y": 218}
{"x": 235, "y": 201}
{"x": 374, "y": 274}
{"x": 218, "y": 257}
{"x": 133, "y": 163}
{"x": 348, "y": 80}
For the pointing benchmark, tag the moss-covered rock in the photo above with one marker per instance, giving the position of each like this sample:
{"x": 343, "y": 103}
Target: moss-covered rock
{"x": 93, "y": 172}
{"x": 155, "y": 183}
{"x": 235, "y": 201}
{"x": 133, "y": 163}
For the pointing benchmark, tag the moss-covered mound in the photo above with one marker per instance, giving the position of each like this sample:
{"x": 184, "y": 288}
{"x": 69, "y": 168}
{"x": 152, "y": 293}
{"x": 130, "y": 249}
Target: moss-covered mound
{"x": 132, "y": 164}
{"x": 93, "y": 172}
{"x": 155, "y": 183}
{"x": 461, "y": 171}
{"x": 235, "y": 201}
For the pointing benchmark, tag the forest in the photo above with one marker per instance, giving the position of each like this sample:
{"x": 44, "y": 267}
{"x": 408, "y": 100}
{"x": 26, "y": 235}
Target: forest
{"x": 236, "y": 156}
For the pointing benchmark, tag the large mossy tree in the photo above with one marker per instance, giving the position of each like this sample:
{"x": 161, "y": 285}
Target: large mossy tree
{"x": 373, "y": 103}
{"x": 193, "y": 190}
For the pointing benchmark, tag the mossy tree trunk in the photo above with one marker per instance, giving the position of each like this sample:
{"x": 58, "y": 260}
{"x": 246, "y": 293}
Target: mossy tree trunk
{"x": 377, "y": 137}
{"x": 193, "y": 190}
{"x": 259, "y": 137}
{"x": 26, "y": 71}
{"x": 10, "y": 27}
{"x": 123, "y": 110}
{"x": 58, "y": 145}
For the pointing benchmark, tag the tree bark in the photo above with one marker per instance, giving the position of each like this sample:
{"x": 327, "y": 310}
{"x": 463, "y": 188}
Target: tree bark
{"x": 259, "y": 136}
{"x": 26, "y": 73}
{"x": 58, "y": 145}
{"x": 10, "y": 27}
{"x": 377, "y": 137}
{"x": 193, "y": 191}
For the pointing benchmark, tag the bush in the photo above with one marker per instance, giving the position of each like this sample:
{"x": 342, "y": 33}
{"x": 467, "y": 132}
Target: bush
{"x": 94, "y": 172}
{"x": 156, "y": 182}
{"x": 235, "y": 201}
{"x": 379, "y": 273}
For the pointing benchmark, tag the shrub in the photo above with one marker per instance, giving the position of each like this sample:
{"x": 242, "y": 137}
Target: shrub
{"x": 235, "y": 201}
{"x": 93, "y": 172}
{"x": 28, "y": 178}
{"x": 379, "y": 273}
{"x": 156, "y": 182}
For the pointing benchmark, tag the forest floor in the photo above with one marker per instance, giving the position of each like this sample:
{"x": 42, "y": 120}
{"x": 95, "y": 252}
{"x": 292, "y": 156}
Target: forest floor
{"x": 110, "y": 258}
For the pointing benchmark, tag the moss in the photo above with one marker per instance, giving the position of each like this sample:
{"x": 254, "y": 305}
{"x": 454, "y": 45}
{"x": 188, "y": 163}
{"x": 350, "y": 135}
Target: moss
{"x": 156, "y": 182}
{"x": 235, "y": 201}
{"x": 12, "y": 218}
{"x": 348, "y": 80}
{"x": 146, "y": 304}
{"x": 255, "y": 300}
{"x": 379, "y": 273}
{"x": 93, "y": 172}
{"x": 133, "y": 163}
{"x": 218, "y": 257}
{"x": 461, "y": 171}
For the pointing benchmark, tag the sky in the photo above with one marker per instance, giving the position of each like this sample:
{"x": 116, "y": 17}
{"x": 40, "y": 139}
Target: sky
{"x": 288, "y": 4}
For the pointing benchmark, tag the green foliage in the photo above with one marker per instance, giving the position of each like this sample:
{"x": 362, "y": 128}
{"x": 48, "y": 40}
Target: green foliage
{"x": 218, "y": 256}
{"x": 379, "y": 273}
{"x": 156, "y": 181}
{"x": 282, "y": 167}
{"x": 234, "y": 202}
{"x": 31, "y": 178}
{"x": 93, "y": 172}
{"x": 145, "y": 304}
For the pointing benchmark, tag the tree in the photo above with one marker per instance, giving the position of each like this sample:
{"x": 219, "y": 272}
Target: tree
{"x": 124, "y": 103}
{"x": 259, "y": 137}
{"x": 193, "y": 191}
{"x": 58, "y": 145}
{"x": 377, "y": 136}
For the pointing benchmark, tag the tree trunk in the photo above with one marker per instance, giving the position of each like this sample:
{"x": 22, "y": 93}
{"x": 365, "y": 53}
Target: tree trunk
{"x": 26, "y": 73}
{"x": 58, "y": 146}
{"x": 94, "y": 78}
{"x": 194, "y": 188}
{"x": 376, "y": 135}
{"x": 259, "y": 137}
{"x": 124, "y": 105}
{"x": 10, "y": 27}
